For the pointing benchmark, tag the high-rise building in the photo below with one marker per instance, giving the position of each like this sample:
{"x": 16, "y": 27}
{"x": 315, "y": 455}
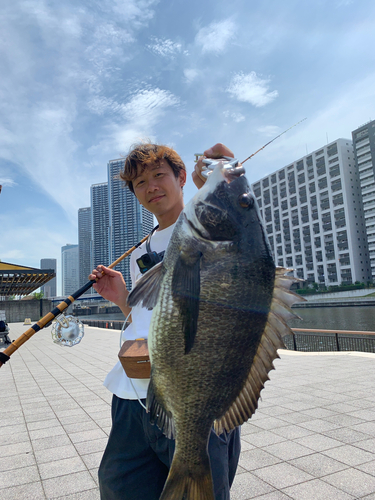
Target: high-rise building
{"x": 129, "y": 222}
{"x": 100, "y": 225}
{"x": 364, "y": 152}
{"x": 70, "y": 269}
{"x": 313, "y": 215}
{"x": 49, "y": 289}
{"x": 84, "y": 244}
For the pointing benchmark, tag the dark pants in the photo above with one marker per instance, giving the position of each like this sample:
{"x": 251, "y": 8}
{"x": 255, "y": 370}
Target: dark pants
{"x": 137, "y": 458}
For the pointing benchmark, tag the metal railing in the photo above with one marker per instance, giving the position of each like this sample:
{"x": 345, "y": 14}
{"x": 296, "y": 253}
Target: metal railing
{"x": 315, "y": 340}
{"x": 103, "y": 323}
{"x": 304, "y": 339}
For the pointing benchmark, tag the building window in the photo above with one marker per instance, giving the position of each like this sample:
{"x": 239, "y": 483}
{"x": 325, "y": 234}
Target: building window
{"x": 321, "y": 166}
{"x": 332, "y": 149}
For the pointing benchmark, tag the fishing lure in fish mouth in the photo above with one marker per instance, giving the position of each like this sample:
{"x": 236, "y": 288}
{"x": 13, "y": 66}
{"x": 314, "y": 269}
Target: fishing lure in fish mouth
{"x": 231, "y": 164}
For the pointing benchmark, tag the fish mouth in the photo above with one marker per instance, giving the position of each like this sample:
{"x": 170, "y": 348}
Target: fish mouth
{"x": 230, "y": 174}
{"x": 209, "y": 214}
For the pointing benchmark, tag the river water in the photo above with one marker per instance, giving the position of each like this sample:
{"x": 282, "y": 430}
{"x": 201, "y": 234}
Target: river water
{"x": 359, "y": 318}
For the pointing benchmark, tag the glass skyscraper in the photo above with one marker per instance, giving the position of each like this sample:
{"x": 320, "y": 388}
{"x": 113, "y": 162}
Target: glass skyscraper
{"x": 69, "y": 267}
{"x": 129, "y": 222}
{"x": 84, "y": 244}
{"x": 99, "y": 225}
{"x": 49, "y": 289}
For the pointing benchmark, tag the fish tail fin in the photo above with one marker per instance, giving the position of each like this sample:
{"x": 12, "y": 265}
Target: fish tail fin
{"x": 188, "y": 483}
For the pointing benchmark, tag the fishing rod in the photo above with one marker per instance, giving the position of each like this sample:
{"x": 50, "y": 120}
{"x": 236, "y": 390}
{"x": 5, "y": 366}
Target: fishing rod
{"x": 5, "y": 355}
{"x": 274, "y": 139}
{"x": 232, "y": 163}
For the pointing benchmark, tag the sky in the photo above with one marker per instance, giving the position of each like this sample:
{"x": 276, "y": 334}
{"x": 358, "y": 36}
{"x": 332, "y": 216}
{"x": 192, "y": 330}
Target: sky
{"x": 81, "y": 81}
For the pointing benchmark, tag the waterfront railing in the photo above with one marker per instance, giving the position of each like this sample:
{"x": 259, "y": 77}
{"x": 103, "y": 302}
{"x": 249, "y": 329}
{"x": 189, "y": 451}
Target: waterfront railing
{"x": 304, "y": 339}
{"x": 316, "y": 339}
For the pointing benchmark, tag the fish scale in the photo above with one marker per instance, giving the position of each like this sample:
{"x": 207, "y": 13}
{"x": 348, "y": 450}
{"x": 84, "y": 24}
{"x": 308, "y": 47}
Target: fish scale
{"x": 220, "y": 311}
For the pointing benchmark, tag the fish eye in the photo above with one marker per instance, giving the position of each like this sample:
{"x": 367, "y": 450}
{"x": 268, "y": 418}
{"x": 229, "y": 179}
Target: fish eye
{"x": 245, "y": 200}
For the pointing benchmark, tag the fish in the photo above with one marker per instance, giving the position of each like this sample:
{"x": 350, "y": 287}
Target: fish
{"x": 220, "y": 310}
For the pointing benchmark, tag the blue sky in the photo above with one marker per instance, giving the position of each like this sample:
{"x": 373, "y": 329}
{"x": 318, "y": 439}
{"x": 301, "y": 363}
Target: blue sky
{"x": 83, "y": 80}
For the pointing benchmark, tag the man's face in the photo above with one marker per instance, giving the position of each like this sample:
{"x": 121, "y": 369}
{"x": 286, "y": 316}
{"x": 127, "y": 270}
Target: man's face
{"x": 157, "y": 188}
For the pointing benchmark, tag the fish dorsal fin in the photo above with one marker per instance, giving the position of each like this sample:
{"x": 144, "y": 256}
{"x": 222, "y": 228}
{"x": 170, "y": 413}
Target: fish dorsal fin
{"x": 146, "y": 290}
{"x": 158, "y": 414}
{"x": 186, "y": 291}
{"x": 246, "y": 403}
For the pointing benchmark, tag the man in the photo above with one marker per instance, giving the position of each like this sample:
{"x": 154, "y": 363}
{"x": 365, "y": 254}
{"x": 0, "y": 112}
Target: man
{"x": 137, "y": 458}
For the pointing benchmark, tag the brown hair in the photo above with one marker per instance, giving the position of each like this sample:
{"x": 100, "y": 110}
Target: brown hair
{"x": 142, "y": 155}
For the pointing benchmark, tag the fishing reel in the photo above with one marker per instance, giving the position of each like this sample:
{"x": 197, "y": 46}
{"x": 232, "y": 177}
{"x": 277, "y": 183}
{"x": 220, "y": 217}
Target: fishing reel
{"x": 67, "y": 331}
{"x": 230, "y": 165}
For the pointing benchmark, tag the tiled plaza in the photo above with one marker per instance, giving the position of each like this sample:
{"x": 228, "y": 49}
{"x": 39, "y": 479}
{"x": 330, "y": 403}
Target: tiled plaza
{"x": 312, "y": 438}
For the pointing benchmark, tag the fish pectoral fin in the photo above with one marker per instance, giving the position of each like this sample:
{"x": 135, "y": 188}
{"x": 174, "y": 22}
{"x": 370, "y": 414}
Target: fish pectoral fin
{"x": 158, "y": 414}
{"x": 146, "y": 291}
{"x": 186, "y": 292}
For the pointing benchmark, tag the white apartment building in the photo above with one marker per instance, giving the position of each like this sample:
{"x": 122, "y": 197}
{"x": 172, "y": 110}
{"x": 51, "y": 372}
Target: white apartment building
{"x": 364, "y": 151}
{"x": 313, "y": 215}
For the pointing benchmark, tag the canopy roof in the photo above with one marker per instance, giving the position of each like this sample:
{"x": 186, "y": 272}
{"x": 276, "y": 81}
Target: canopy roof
{"x": 22, "y": 280}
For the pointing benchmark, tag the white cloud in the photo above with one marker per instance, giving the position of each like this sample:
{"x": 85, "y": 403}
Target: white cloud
{"x": 164, "y": 48}
{"x": 343, "y": 3}
{"x": 147, "y": 105}
{"x": 269, "y": 130}
{"x": 139, "y": 12}
{"x": 7, "y": 182}
{"x": 252, "y": 89}
{"x": 236, "y": 117}
{"x": 141, "y": 113}
{"x": 190, "y": 74}
{"x": 216, "y": 36}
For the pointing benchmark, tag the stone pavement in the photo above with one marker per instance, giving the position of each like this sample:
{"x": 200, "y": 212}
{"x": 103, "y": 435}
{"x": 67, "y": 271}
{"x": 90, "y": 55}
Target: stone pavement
{"x": 312, "y": 438}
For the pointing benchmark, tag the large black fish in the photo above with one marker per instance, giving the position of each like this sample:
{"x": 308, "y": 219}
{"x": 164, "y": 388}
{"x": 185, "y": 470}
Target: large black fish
{"x": 220, "y": 310}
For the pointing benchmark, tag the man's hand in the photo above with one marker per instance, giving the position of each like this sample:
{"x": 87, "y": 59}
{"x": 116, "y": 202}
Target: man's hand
{"x": 217, "y": 151}
{"x": 111, "y": 286}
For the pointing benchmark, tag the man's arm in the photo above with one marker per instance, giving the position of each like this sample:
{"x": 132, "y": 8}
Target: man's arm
{"x": 216, "y": 151}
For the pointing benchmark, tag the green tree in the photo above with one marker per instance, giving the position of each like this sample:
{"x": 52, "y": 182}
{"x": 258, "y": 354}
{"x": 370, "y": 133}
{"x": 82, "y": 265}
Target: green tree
{"x": 38, "y": 295}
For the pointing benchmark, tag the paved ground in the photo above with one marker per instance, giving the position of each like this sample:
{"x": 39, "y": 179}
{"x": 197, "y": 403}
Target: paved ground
{"x": 312, "y": 438}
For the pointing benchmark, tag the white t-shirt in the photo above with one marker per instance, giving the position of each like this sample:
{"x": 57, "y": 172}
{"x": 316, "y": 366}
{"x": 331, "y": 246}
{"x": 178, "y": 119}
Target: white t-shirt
{"x": 117, "y": 381}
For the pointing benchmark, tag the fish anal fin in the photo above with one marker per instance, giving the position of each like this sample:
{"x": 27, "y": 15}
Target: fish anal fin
{"x": 158, "y": 414}
{"x": 186, "y": 291}
{"x": 146, "y": 290}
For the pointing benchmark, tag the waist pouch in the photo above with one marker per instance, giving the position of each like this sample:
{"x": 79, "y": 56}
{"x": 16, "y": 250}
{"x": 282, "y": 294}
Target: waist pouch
{"x": 135, "y": 358}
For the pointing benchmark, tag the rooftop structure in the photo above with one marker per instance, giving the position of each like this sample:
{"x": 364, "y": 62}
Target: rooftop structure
{"x": 21, "y": 280}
